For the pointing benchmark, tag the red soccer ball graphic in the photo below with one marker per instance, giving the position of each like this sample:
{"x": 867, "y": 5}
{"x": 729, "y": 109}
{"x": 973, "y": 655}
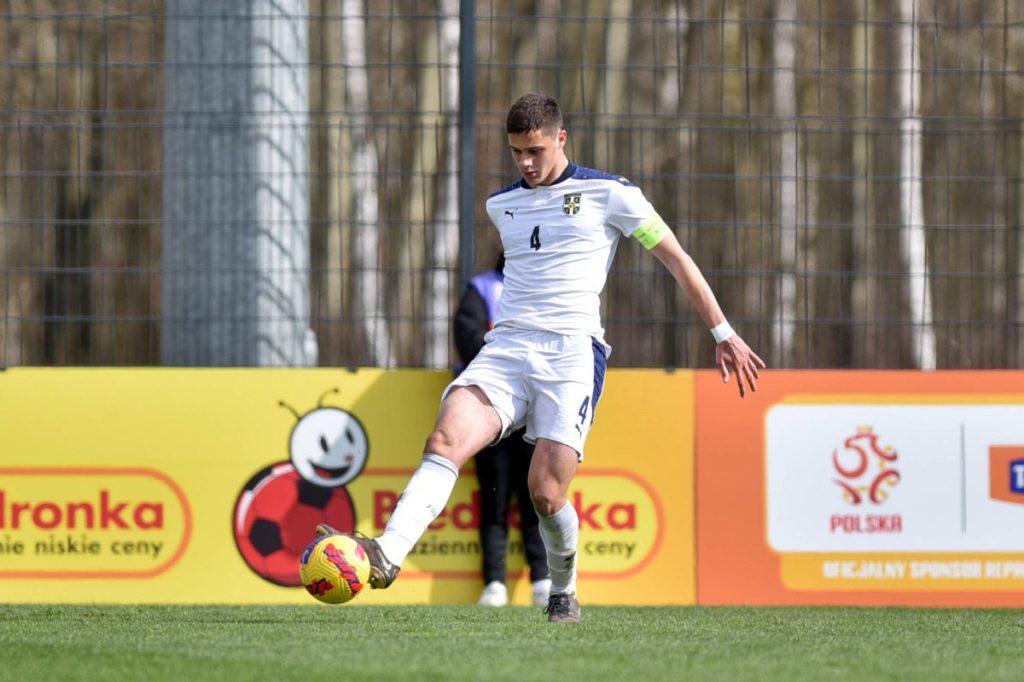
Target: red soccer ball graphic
{"x": 275, "y": 517}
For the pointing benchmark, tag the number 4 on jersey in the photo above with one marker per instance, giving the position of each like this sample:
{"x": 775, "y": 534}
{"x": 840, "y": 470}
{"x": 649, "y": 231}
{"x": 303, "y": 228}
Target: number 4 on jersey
{"x": 535, "y": 238}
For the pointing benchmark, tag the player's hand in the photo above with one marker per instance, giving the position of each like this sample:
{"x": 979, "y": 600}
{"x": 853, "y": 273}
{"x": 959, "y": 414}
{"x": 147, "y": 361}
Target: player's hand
{"x": 735, "y": 355}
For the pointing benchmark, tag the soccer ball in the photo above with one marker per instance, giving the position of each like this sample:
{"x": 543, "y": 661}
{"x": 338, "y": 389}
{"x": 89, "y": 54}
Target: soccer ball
{"x": 334, "y": 569}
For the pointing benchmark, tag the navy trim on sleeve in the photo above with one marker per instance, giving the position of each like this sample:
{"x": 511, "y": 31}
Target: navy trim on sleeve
{"x": 583, "y": 173}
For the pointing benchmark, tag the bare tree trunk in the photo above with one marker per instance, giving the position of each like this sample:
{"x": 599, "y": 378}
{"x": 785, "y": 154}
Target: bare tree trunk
{"x": 784, "y": 98}
{"x": 673, "y": 82}
{"x": 8, "y": 329}
{"x": 33, "y": 191}
{"x": 912, "y": 234}
{"x": 1015, "y": 216}
{"x": 863, "y": 286}
{"x": 1018, "y": 313}
{"x": 612, "y": 101}
{"x": 365, "y": 226}
{"x": 419, "y": 198}
{"x": 5, "y": 297}
{"x": 705, "y": 204}
{"x": 336, "y": 189}
{"x": 669, "y": 95}
{"x": 444, "y": 229}
{"x": 527, "y": 44}
{"x": 583, "y": 43}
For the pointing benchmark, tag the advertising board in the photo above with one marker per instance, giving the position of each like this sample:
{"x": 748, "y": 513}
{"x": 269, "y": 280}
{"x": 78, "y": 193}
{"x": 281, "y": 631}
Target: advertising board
{"x": 204, "y": 485}
{"x": 862, "y": 488}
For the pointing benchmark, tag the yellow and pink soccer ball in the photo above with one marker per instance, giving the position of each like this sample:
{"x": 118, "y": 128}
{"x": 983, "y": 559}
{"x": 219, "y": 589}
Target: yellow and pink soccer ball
{"x": 334, "y": 569}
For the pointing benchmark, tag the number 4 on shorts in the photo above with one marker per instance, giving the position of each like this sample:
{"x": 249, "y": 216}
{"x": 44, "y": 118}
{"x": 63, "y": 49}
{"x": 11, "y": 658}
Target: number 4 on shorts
{"x": 583, "y": 410}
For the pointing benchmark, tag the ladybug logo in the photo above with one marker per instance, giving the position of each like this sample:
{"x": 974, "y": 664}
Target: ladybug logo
{"x": 280, "y": 505}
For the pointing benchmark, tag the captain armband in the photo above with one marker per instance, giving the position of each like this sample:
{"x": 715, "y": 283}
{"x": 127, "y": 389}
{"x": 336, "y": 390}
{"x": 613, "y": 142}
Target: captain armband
{"x": 651, "y": 232}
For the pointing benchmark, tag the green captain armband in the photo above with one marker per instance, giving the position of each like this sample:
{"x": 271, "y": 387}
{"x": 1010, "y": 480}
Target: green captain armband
{"x": 651, "y": 232}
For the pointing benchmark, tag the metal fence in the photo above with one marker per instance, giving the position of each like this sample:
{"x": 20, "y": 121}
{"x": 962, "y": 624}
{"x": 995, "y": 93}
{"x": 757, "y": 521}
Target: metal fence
{"x": 278, "y": 183}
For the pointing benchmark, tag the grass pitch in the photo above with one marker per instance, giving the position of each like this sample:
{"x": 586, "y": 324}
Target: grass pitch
{"x": 475, "y": 643}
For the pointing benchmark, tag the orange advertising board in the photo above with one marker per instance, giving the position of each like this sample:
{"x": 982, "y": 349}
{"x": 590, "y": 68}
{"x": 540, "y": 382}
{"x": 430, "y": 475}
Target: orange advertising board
{"x": 865, "y": 488}
{"x": 204, "y": 485}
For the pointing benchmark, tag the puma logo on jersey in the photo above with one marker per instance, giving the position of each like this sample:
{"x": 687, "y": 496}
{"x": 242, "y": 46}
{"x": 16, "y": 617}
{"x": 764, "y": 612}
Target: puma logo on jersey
{"x": 510, "y": 214}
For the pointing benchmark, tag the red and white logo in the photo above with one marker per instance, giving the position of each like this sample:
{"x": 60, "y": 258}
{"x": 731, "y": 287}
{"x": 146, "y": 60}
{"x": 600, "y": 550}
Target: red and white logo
{"x": 866, "y": 470}
{"x": 867, "y": 474}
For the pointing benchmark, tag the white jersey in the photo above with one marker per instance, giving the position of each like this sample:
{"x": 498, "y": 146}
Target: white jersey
{"x": 559, "y": 242}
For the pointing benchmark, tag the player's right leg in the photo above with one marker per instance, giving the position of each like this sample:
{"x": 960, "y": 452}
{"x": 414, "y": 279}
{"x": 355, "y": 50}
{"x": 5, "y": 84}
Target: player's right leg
{"x": 466, "y": 423}
{"x": 382, "y": 571}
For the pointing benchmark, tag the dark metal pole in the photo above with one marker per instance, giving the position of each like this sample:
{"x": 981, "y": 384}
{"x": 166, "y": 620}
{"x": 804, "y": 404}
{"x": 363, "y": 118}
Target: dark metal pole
{"x": 467, "y": 137}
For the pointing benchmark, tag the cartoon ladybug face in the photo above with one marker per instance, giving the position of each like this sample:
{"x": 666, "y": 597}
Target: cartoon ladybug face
{"x": 329, "y": 447}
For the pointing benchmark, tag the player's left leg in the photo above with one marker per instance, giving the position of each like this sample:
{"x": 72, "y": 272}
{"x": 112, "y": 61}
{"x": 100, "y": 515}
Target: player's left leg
{"x": 566, "y": 380}
{"x": 551, "y": 472}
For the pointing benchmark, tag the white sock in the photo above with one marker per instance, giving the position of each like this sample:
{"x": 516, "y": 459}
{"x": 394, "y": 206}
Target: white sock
{"x": 422, "y": 500}
{"x": 560, "y": 533}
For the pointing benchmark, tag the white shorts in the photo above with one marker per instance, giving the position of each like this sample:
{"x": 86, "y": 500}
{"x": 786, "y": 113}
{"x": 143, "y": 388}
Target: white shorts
{"x": 549, "y": 382}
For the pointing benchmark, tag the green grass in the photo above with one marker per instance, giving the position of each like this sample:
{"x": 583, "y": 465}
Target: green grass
{"x": 359, "y": 644}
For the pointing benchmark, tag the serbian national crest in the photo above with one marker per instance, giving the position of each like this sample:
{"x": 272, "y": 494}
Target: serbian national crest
{"x": 571, "y": 203}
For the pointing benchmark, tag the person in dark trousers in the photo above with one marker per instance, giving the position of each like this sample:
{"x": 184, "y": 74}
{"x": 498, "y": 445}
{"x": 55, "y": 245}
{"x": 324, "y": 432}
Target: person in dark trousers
{"x": 502, "y": 468}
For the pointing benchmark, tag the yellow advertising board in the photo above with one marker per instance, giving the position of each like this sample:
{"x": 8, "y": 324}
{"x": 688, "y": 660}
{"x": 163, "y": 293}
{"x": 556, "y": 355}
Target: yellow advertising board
{"x": 204, "y": 485}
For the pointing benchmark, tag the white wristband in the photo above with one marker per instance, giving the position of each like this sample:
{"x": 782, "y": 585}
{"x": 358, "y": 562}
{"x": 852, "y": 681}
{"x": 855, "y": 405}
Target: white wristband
{"x": 722, "y": 332}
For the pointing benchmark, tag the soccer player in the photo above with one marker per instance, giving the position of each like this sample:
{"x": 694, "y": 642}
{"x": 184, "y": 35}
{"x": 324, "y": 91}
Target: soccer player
{"x": 543, "y": 364}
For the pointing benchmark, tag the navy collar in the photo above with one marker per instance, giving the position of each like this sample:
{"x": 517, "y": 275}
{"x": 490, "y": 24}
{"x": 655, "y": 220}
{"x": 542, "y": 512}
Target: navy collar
{"x": 566, "y": 174}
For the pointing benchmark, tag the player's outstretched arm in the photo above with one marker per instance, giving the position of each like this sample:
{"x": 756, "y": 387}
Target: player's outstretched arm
{"x": 732, "y": 354}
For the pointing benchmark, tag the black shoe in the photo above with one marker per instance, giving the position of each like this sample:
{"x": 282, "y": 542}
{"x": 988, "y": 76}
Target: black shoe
{"x": 382, "y": 571}
{"x": 323, "y": 529}
{"x": 563, "y": 608}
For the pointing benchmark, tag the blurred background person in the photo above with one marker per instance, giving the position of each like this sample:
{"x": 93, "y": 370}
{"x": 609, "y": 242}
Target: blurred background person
{"x": 502, "y": 468}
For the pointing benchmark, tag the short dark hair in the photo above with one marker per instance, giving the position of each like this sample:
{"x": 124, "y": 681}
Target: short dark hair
{"x": 534, "y": 111}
